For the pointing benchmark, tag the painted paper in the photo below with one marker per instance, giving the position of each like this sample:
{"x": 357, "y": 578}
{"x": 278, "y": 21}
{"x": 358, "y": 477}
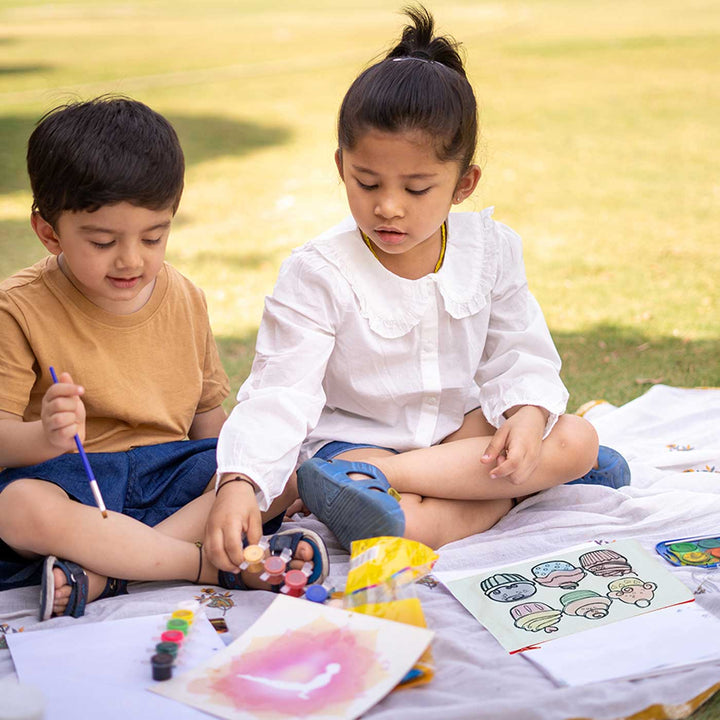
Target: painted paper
{"x": 572, "y": 590}
{"x": 302, "y": 660}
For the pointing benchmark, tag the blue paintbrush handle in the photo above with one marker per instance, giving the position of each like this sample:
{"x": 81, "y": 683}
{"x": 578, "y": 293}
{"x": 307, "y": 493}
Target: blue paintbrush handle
{"x": 86, "y": 463}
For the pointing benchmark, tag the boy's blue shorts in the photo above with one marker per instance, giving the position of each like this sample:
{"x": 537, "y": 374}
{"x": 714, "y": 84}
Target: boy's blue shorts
{"x": 148, "y": 483}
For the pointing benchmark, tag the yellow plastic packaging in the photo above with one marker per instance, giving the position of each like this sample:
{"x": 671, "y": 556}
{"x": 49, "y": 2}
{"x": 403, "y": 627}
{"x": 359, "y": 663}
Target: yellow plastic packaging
{"x": 381, "y": 582}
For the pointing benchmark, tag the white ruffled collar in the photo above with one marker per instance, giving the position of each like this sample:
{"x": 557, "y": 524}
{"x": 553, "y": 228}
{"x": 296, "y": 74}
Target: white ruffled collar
{"x": 394, "y": 305}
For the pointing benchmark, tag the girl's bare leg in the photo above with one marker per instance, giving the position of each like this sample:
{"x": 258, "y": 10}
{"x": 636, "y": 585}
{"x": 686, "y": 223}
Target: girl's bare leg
{"x": 447, "y": 493}
{"x": 437, "y": 521}
{"x": 453, "y": 470}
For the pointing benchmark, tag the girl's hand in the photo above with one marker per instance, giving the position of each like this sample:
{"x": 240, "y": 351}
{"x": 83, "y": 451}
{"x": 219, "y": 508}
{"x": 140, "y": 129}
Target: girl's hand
{"x": 234, "y": 514}
{"x": 515, "y": 447}
{"x": 63, "y": 413}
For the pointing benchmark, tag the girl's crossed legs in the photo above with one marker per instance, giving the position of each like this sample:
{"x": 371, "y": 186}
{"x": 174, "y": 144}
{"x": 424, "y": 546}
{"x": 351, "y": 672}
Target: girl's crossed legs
{"x": 447, "y": 492}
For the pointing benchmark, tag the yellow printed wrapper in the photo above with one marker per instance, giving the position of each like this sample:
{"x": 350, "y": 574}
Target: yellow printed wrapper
{"x": 381, "y": 583}
{"x": 376, "y": 560}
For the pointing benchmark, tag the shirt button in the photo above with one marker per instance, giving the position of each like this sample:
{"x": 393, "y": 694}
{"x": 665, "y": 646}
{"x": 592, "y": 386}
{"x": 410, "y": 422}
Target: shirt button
{"x": 432, "y": 401}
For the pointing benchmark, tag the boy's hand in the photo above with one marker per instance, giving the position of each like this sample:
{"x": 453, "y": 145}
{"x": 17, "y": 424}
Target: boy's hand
{"x": 234, "y": 513}
{"x": 515, "y": 447}
{"x": 63, "y": 413}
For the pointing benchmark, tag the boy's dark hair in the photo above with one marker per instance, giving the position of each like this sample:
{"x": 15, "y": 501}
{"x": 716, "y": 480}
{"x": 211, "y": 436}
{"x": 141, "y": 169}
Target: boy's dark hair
{"x": 112, "y": 149}
{"x": 420, "y": 85}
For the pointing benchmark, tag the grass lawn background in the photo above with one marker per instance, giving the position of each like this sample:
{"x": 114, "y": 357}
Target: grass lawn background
{"x": 600, "y": 145}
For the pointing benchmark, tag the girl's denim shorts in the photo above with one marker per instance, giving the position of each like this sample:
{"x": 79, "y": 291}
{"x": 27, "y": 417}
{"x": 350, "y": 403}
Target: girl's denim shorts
{"x": 336, "y": 447}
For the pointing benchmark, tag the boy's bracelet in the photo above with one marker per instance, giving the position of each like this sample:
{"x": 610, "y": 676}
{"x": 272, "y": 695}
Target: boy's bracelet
{"x": 231, "y": 480}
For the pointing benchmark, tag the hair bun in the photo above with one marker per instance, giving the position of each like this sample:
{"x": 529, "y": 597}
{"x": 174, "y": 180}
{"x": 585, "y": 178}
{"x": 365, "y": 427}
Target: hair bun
{"x": 418, "y": 41}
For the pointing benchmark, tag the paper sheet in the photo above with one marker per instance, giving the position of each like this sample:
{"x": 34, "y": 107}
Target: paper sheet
{"x": 570, "y": 591}
{"x": 102, "y": 670}
{"x": 673, "y": 638}
{"x": 302, "y": 660}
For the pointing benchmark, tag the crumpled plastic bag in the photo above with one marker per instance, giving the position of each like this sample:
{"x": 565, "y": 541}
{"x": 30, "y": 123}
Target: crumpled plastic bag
{"x": 381, "y": 582}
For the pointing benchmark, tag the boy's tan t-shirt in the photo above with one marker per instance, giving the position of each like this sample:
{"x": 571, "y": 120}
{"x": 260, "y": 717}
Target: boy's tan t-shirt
{"x": 145, "y": 375}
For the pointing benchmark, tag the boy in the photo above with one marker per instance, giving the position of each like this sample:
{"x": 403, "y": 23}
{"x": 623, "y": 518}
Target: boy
{"x": 140, "y": 378}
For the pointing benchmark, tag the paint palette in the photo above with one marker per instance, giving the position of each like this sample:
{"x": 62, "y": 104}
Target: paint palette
{"x": 694, "y": 551}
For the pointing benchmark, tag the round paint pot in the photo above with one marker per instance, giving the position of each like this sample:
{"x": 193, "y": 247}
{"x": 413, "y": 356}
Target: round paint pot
{"x": 178, "y": 624}
{"x": 162, "y": 664}
{"x": 168, "y": 648}
{"x": 274, "y": 570}
{"x": 696, "y": 558}
{"x": 253, "y": 556}
{"x": 709, "y": 543}
{"x": 172, "y": 636}
{"x": 316, "y": 593}
{"x": 187, "y": 615}
{"x": 295, "y": 582}
{"x": 683, "y": 547}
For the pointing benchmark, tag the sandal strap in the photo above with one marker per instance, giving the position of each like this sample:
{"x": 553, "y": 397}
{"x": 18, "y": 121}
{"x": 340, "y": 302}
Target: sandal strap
{"x": 231, "y": 581}
{"x": 113, "y": 587}
{"x": 280, "y": 542}
{"x": 78, "y": 581}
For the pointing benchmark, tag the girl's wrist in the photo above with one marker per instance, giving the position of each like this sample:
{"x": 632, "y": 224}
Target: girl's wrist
{"x": 235, "y": 479}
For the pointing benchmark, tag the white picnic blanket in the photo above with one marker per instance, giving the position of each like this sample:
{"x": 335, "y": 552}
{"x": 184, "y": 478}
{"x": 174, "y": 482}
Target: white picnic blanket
{"x": 671, "y": 438}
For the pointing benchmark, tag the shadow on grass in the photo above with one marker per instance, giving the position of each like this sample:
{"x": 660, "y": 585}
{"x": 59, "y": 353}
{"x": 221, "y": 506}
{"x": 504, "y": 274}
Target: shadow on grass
{"x": 23, "y": 69}
{"x": 203, "y": 137}
{"x": 606, "y": 362}
{"x": 618, "y": 364}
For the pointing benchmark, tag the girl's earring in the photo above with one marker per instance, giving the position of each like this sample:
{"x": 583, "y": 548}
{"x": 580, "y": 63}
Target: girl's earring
{"x": 458, "y": 199}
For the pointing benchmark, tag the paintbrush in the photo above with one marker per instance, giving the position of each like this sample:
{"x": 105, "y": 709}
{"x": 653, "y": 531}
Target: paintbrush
{"x": 88, "y": 470}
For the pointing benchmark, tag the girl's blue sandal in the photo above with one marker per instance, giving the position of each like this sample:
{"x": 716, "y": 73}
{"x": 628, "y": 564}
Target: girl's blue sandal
{"x": 78, "y": 581}
{"x": 612, "y": 471}
{"x": 352, "y": 509}
{"x": 278, "y": 542}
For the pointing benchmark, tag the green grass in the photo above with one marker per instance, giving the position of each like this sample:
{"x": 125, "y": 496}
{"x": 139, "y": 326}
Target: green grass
{"x": 600, "y": 145}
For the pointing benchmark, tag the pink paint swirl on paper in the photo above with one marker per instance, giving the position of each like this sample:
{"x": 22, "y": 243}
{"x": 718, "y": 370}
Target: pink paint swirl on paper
{"x": 300, "y": 673}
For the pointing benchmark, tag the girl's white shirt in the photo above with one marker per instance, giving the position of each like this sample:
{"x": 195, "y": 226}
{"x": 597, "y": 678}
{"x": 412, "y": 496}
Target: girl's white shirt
{"x": 349, "y": 351}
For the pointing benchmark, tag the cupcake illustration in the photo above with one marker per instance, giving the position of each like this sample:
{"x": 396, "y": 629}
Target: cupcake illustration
{"x": 605, "y": 563}
{"x": 508, "y": 587}
{"x": 535, "y": 616}
{"x": 558, "y": 574}
{"x": 585, "y": 603}
{"x": 632, "y": 591}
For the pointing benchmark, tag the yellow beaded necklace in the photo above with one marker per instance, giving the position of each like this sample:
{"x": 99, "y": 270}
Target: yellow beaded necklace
{"x": 443, "y": 245}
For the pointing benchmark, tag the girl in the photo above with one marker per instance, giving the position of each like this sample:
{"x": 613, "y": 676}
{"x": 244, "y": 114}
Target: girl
{"x": 401, "y": 350}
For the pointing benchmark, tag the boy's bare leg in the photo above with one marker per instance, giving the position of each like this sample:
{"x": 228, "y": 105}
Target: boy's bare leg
{"x": 188, "y": 523}
{"x": 39, "y": 519}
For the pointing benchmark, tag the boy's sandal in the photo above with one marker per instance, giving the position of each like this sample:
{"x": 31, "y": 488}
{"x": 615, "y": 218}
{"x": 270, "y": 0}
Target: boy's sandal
{"x": 612, "y": 470}
{"x": 352, "y": 509}
{"x": 78, "y": 581}
{"x": 278, "y": 542}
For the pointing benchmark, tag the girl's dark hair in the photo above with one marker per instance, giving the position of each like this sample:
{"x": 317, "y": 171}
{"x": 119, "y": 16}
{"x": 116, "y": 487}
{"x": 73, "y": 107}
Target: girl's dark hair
{"x": 420, "y": 85}
{"x": 84, "y": 155}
